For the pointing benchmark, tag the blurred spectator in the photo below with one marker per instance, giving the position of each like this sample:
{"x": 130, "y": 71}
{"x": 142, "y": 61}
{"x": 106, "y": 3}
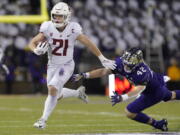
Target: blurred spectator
{"x": 37, "y": 77}
{"x": 36, "y": 70}
{"x": 114, "y": 25}
{"x": 9, "y": 80}
{"x": 173, "y": 71}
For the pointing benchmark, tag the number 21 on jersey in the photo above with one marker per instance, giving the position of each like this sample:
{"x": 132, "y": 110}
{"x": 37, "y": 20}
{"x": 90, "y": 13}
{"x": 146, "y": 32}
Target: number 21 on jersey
{"x": 62, "y": 44}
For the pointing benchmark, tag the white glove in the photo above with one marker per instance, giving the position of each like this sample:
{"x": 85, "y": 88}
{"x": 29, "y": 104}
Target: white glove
{"x": 166, "y": 78}
{"x": 41, "y": 48}
{"x": 109, "y": 64}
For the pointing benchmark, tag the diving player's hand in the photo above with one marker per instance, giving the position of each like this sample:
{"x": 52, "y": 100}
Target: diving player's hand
{"x": 77, "y": 77}
{"x": 109, "y": 64}
{"x": 41, "y": 48}
{"x": 116, "y": 98}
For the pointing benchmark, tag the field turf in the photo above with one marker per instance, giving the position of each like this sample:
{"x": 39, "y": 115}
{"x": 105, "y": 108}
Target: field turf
{"x": 72, "y": 116}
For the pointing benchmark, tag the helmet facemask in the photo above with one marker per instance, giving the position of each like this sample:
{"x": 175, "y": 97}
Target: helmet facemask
{"x": 132, "y": 59}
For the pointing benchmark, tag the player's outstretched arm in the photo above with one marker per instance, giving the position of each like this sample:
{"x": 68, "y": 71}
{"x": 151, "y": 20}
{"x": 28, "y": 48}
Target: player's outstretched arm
{"x": 137, "y": 89}
{"x": 99, "y": 73}
{"x": 110, "y": 64}
{"x": 116, "y": 98}
{"x": 92, "y": 74}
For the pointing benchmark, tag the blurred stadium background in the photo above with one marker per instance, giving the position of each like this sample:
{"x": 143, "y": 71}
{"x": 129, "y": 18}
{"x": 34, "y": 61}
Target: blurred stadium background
{"x": 114, "y": 25}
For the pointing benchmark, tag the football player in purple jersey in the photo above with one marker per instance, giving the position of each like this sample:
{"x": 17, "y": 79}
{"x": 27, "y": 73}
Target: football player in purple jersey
{"x": 151, "y": 87}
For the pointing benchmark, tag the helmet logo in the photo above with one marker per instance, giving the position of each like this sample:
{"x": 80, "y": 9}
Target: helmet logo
{"x": 132, "y": 58}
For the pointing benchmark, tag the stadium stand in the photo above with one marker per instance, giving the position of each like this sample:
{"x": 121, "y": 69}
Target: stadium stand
{"x": 114, "y": 25}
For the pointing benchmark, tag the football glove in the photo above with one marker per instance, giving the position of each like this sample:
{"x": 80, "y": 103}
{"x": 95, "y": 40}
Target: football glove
{"x": 77, "y": 77}
{"x": 109, "y": 64}
{"x": 116, "y": 98}
{"x": 41, "y": 48}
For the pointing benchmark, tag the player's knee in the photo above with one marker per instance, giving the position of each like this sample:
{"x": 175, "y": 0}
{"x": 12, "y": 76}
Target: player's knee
{"x": 129, "y": 114}
{"x": 52, "y": 91}
{"x": 60, "y": 96}
{"x": 168, "y": 96}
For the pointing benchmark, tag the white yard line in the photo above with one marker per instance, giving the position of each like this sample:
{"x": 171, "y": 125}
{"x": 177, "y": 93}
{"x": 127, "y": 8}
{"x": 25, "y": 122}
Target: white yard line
{"x": 77, "y": 125}
{"x": 111, "y": 114}
{"x": 158, "y": 133}
{"x": 18, "y": 109}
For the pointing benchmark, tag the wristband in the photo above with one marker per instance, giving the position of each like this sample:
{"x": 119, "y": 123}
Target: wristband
{"x": 125, "y": 97}
{"x": 101, "y": 57}
{"x": 86, "y": 75}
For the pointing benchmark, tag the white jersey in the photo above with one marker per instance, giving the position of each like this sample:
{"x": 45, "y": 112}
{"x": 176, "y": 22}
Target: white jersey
{"x": 61, "y": 43}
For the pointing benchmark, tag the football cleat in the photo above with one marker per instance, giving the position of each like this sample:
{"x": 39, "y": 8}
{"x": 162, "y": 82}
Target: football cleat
{"x": 41, "y": 124}
{"x": 82, "y": 94}
{"x": 162, "y": 125}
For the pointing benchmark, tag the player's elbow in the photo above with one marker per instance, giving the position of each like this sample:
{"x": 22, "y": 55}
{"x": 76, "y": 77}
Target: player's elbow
{"x": 84, "y": 40}
{"x": 104, "y": 72}
{"x": 140, "y": 88}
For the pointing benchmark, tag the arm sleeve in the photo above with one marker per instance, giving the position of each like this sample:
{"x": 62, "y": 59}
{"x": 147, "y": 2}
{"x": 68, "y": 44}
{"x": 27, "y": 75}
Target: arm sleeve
{"x": 44, "y": 28}
{"x": 77, "y": 30}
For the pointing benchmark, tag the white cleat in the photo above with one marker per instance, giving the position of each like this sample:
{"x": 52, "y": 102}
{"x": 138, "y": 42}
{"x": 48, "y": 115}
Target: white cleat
{"x": 82, "y": 94}
{"x": 41, "y": 124}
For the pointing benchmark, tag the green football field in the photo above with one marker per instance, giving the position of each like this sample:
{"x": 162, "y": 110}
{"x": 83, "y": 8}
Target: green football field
{"x": 72, "y": 116}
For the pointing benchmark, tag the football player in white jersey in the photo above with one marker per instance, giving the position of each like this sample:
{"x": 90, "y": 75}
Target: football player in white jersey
{"x": 58, "y": 37}
{"x": 3, "y": 68}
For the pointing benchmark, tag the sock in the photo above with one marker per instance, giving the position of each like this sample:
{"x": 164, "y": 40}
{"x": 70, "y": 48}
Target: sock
{"x": 66, "y": 92}
{"x": 177, "y": 94}
{"x": 142, "y": 118}
{"x": 49, "y": 106}
{"x": 154, "y": 123}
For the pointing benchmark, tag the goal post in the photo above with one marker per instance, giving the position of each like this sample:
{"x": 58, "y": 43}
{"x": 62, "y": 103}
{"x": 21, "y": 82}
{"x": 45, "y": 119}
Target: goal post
{"x": 27, "y": 18}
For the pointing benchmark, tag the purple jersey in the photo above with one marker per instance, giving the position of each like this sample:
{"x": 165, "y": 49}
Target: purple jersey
{"x": 155, "y": 91}
{"x": 141, "y": 75}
